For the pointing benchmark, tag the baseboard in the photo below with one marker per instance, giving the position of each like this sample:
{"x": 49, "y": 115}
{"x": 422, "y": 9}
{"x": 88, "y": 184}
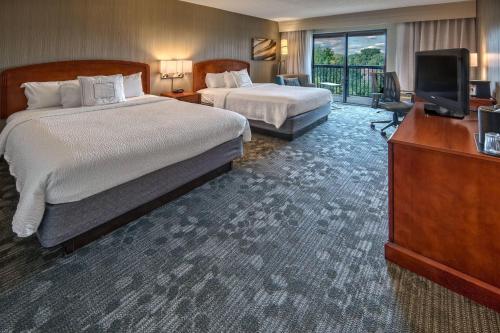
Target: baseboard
{"x": 463, "y": 284}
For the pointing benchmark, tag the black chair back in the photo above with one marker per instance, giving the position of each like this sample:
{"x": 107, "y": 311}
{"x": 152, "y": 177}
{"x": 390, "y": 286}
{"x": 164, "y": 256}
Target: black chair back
{"x": 391, "y": 90}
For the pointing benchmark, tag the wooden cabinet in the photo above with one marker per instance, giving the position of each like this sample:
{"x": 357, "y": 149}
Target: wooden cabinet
{"x": 188, "y": 96}
{"x": 445, "y": 206}
{"x": 475, "y": 102}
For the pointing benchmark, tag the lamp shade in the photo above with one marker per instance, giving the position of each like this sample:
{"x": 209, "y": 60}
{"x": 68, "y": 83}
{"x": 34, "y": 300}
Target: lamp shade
{"x": 473, "y": 60}
{"x": 168, "y": 66}
{"x": 284, "y": 47}
{"x": 187, "y": 66}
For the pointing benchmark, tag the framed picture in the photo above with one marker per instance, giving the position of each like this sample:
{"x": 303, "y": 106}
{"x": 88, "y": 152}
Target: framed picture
{"x": 263, "y": 49}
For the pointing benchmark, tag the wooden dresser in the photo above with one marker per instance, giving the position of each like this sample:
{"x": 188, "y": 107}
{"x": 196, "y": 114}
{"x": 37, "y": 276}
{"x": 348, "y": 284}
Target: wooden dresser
{"x": 444, "y": 206}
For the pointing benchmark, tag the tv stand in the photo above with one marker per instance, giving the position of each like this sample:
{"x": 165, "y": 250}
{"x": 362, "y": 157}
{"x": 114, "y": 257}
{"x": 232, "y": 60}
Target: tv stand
{"x": 444, "y": 219}
{"x": 436, "y": 110}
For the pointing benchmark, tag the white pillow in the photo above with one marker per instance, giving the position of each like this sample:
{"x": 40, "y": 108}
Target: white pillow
{"x": 71, "y": 94}
{"x": 229, "y": 80}
{"x": 42, "y": 94}
{"x": 99, "y": 90}
{"x": 132, "y": 84}
{"x": 215, "y": 80}
{"x": 242, "y": 78}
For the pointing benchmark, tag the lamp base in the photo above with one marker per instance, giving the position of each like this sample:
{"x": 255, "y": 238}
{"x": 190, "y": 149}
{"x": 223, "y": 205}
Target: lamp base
{"x": 178, "y": 91}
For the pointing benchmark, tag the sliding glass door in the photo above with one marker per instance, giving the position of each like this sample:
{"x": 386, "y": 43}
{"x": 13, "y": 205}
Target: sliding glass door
{"x": 345, "y": 62}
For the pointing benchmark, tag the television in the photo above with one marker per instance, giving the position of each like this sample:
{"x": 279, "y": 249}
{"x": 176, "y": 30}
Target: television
{"x": 442, "y": 78}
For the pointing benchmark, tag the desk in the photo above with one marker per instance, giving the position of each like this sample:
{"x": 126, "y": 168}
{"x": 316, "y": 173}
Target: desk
{"x": 474, "y": 102}
{"x": 444, "y": 215}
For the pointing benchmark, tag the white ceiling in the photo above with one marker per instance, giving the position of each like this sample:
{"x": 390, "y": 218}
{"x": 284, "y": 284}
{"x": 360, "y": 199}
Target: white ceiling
{"x": 285, "y": 10}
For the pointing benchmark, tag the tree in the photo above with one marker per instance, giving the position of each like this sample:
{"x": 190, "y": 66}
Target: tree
{"x": 367, "y": 57}
{"x": 326, "y": 56}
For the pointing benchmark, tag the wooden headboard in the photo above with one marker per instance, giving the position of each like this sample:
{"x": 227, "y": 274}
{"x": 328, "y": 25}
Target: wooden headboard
{"x": 200, "y": 69}
{"x": 12, "y": 98}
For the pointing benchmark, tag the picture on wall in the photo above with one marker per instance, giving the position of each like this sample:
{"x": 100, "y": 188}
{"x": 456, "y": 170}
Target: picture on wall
{"x": 263, "y": 49}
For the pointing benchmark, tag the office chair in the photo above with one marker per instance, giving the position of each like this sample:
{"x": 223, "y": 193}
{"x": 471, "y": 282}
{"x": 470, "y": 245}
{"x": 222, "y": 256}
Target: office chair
{"x": 389, "y": 99}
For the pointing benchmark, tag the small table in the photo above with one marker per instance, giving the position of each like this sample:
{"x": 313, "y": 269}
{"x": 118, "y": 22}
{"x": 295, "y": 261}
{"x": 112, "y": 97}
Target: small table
{"x": 186, "y": 96}
{"x": 330, "y": 85}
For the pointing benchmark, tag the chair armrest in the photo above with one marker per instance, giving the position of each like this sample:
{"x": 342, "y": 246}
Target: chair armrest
{"x": 279, "y": 79}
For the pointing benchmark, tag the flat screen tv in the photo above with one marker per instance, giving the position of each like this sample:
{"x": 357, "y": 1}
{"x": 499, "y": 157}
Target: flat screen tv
{"x": 442, "y": 78}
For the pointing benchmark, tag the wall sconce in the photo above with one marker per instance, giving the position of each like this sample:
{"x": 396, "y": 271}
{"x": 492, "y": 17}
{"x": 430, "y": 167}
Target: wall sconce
{"x": 284, "y": 47}
{"x": 283, "y": 54}
{"x": 473, "y": 60}
{"x": 175, "y": 69}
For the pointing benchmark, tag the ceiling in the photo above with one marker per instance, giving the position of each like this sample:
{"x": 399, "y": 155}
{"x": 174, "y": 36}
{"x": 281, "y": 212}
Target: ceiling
{"x": 285, "y": 10}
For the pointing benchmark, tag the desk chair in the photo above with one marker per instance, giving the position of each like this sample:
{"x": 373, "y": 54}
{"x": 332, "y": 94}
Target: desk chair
{"x": 388, "y": 98}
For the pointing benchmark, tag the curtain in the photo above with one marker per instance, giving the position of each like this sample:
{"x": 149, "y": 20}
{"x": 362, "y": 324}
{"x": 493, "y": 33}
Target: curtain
{"x": 430, "y": 35}
{"x": 298, "y": 60}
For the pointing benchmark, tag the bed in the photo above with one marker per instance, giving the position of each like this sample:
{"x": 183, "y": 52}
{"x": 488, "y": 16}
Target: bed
{"x": 281, "y": 111}
{"x": 82, "y": 172}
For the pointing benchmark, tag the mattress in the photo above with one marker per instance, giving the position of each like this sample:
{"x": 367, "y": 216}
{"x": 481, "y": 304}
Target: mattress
{"x": 66, "y": 155}
{"x": 268, "y": 102}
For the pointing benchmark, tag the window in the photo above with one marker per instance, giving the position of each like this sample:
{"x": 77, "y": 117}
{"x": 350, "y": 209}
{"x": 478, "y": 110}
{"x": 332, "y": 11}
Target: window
{"x": 344, "y": 63}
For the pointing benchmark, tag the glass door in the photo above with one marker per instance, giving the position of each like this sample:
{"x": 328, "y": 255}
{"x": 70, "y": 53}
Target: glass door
{"x": 365, "y": 57}
{"x": 345, "y": 63}
{"x": 329, "y": 63}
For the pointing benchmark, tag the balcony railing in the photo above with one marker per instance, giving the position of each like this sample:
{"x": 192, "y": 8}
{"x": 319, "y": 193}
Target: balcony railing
{"x": 358, "y": 78}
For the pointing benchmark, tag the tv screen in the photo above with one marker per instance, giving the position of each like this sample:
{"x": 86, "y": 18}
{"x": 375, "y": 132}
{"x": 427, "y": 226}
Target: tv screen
{"x": 439, "y": 76}
{"x": 442, "y": 78}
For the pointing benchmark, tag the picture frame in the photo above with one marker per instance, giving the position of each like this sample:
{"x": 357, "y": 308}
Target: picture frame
{"x": 263, "y": 49}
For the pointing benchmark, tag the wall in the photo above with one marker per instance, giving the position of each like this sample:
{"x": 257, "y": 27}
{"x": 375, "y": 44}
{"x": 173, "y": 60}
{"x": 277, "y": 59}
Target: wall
{"x": 488, "y": 28}
{"x": 383, "y": 19}
{"x": 388, "y": 16}
{"x": 35, "y": 31}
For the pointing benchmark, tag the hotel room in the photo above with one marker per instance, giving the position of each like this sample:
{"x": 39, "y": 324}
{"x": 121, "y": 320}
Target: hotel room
{"x": 259, "y": 166}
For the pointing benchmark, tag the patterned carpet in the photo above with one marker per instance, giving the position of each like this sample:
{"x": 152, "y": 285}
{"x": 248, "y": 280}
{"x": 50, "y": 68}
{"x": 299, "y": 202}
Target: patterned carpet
{"x": 291, "y": 240}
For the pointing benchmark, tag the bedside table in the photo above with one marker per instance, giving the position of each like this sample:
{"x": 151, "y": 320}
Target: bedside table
{"x": 187, "y": 96}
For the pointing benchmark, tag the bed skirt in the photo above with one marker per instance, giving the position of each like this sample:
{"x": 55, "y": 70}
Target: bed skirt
{"x": 294, "y": 126}
{"x": 63, "y": 222}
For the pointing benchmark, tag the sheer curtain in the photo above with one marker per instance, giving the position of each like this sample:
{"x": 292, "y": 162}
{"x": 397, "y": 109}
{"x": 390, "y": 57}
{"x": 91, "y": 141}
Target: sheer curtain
{"x": 299, "y": 56}
{"x": 430, "y": 35}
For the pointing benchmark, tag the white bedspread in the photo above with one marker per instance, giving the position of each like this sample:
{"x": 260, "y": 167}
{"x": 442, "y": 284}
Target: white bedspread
{"x": 268, "y": 102}
{"x": 66, "y": 155}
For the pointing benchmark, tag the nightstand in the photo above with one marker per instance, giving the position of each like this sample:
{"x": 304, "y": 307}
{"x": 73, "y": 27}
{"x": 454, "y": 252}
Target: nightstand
{"x": 475, "y": 102}
{"x": 187, "y": 96}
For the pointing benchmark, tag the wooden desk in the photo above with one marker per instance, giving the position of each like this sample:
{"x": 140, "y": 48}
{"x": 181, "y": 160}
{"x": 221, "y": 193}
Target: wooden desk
{"x": 474, "y": 102}
{"x": 444, "y": 206}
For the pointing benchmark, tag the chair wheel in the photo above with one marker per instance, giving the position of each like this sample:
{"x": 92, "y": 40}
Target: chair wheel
{"x": 372, "y": 126}
{"x": 384, "y": 134}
